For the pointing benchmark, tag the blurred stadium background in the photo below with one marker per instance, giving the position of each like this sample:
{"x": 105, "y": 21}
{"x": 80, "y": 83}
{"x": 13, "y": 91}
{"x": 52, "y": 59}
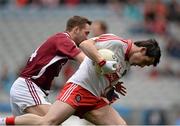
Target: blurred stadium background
{"x": 153, "y": 93}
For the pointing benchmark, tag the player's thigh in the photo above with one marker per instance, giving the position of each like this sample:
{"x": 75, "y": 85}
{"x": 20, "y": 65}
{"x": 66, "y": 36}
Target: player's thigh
{"x": 27, "y": 97}
{"x": 105, "y": 116}
{"x": 40, "y": 110}
{"x": 58, "y": 113}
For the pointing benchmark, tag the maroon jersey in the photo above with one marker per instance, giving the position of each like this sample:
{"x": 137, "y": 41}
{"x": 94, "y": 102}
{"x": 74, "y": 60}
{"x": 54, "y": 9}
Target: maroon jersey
{"x": 46, "y": 62}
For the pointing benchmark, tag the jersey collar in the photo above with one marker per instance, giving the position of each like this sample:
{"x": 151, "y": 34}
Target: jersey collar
{"x": 128, "y": 49}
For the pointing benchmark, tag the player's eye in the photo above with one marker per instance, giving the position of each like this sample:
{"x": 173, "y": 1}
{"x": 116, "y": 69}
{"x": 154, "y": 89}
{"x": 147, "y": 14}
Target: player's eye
{"x": 87, "y": 33}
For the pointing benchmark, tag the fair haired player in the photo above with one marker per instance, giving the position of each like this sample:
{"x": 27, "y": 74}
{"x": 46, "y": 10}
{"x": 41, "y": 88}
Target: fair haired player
{"x": 99, "y": 27}
{"x": 29, "y": 92}
{"x": 86, "y": 91}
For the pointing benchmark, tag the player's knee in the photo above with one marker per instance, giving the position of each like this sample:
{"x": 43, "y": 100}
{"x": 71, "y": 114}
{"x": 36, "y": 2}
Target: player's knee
{"x": 96, "y": 115}
{"x": 122, "y": 122}
{"x": 116, "y": 121}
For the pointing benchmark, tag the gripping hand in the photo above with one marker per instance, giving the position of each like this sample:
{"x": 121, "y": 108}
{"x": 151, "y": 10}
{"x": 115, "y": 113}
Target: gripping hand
{"x": 107, "y": 67}
{"x": 119, "y": 87}
{"x": 111, "y": 95}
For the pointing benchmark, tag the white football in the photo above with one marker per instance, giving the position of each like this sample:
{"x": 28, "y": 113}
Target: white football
{"x": 108, "y": 55}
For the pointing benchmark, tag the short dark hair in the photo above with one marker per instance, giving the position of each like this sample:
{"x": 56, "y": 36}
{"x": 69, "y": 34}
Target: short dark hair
{"x": 77, "y": 21}
{"x": 153, "y": 49}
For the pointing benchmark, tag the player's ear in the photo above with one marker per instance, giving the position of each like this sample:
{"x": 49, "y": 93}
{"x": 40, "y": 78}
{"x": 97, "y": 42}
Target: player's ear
{"x": 143, "y": 50}
{"x": 76, "y": 29}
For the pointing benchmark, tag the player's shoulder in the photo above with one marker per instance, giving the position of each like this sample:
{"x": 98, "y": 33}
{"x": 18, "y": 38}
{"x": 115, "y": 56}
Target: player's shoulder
{"x": 108, "y": 37}
{"x": 62, "y": 35}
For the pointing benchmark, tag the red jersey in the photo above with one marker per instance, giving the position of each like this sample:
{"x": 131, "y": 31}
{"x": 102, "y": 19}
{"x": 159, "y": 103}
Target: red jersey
{"x": 46, "y": 62}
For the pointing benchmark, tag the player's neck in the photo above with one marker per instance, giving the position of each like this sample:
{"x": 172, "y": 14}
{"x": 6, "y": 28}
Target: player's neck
{"x": 72, "y": 35}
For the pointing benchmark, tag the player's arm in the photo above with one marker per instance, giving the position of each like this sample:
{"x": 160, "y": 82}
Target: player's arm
{"x": 80, "y": 57}
{"x": 89, "y": 48}
{"x": 68, "y": 47}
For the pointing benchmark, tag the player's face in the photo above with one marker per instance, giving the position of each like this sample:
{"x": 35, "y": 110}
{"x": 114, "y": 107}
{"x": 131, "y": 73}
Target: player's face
{"x": 140, "y": 59}
{"x": 83, "y": 33}
{"x": 96, "y": 29}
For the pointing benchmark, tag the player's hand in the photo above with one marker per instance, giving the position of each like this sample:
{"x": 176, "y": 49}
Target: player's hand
{"x": 111, "y": 95}
{"x": 107, "y": 66}
{"x": 119, "y": 87}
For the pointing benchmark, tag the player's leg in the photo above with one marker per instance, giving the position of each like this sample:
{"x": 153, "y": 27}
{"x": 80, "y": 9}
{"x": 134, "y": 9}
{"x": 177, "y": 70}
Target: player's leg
{"x": 59, "y": 111}
{"x": 105, "y": 115}
{"x": 36, "y": 112}
{"x": 57, "y": 114}
{"x": 27, "y": 97}
{"x": 40, "y": 110}
{"x": 63, "y": 107}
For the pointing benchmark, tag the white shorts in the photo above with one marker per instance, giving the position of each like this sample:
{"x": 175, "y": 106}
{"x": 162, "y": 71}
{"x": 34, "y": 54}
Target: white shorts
{"x": 24, "y": 93}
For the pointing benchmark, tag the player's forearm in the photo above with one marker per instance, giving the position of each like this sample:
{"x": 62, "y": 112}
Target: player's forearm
{"x": 88, "y": 47}
{"x": 28, "y": 119}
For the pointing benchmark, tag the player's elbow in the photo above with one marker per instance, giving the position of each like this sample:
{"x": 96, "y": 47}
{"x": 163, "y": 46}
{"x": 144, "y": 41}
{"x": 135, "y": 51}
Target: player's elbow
{"x": 85, "y": 44}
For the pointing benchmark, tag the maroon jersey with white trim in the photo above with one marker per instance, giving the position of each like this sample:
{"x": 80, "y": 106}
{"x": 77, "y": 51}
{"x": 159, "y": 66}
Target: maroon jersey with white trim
{"x": 46, "y": 62}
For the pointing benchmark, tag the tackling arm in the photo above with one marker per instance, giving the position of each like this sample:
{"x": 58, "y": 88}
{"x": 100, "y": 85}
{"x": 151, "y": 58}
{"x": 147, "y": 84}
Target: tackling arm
{"x": 89, "y": 48}
{"x": 80, "y": 57}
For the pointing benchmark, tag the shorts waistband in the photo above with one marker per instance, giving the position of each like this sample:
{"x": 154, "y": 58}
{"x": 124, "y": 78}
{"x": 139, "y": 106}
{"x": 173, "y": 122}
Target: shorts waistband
{"x": 46, "y": 92}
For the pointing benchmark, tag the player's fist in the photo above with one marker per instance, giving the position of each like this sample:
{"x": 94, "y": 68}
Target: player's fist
{"x": 107, "y": 67}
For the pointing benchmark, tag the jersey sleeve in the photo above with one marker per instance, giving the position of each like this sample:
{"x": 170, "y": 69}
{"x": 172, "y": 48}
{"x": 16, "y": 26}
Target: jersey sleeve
{"x": 67, "y": 47}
